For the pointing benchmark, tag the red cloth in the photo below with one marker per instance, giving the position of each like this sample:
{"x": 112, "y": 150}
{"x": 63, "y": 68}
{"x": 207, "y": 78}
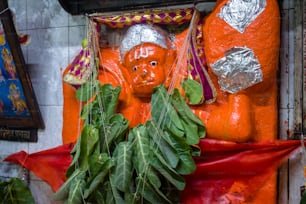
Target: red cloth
{"x": 228, "y": 171}
{"x": 50, "y": 165}
{"x": 223, "y": 168}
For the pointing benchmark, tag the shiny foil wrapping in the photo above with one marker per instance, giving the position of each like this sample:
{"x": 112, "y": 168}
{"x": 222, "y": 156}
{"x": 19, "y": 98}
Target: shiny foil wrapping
{"x": 240, "y": 13}
{"x": 143, "y": 33}
{"x": 238, "y": 70}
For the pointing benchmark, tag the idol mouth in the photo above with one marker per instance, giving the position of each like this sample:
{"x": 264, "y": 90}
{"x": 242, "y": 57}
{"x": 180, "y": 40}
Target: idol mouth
{"x": 146, "y": 83}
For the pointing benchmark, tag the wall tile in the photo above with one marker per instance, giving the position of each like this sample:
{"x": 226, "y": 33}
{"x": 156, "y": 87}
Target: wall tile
{"x": 45, "y": 14}
{"x": 10, "y": 147}
{"x": 19, "y": 8}
{"x": 76, "y": 20}
{"x": 47, "y": 54}
{"x": 76, "y": 35}
{"x": 8, "y": 170}
{"x": 51, "y": 136}
{"x": 42, "y": 192}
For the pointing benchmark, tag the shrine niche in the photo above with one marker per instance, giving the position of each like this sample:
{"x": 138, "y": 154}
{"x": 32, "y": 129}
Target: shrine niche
{"x": 172, "y": 105}
{"x": 19, "y": 112}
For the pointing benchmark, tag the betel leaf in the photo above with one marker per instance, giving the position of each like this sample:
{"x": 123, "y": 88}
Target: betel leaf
{"x": 123, "y": 169}
{"x": 141, "y": 149}
{"x": 153, "y": 177}
{"x": 89, "y": 138}
{"x": 114, "y": 132}
{"x": 15, "y": 191}
{"x": 167, "y": 150}
{"x": 149, "y": 193}
{"x": 87, "y": 91}
{"x": 109, "y": 98}
{"x": 191, "y": 131}
{"x": 76, "y": 189}
{"x": 99, "y": 178}
{"x": 186, "y": 163}
{"x": 63, "y": 192}
{"x": 163, "y": 113}
{"x": 161, "y": 165}
{"x": 96, "y": 161}
{"x": 86, "y": 110}
{"x": 113, "y": 192}
{"x": 194, "y": 127}
{"x": 193, "y": 91}
{"x": 97, "y": 197}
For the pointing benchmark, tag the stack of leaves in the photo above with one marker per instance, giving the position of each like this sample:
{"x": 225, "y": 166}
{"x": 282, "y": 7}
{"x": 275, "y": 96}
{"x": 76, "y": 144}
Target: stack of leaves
{"x": 145, "y": 164}
{"x": 15, "y": 191}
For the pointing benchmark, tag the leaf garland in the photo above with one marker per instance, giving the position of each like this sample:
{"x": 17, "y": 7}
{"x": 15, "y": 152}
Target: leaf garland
{"x": 145, "y": 164}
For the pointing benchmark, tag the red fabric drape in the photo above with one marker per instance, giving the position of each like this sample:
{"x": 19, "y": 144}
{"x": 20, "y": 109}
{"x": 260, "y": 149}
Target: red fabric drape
{"x": 225, "y": 170}
{"x": 50, "y": 165}
{"x": 229, "y": 172}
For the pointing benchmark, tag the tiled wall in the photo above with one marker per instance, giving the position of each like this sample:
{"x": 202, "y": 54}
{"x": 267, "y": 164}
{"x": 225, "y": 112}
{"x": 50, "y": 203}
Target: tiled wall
{"x": 55, "y": 38}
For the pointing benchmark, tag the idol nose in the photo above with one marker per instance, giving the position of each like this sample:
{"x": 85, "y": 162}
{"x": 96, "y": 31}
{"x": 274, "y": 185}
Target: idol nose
{"x": 144, "y": 72}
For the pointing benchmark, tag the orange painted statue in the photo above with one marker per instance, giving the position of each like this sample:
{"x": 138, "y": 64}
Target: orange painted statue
{"x": 242, "y": 65}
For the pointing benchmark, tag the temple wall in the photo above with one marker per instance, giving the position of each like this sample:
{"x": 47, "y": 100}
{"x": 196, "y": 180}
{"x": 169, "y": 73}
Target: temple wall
{"x": 55, "y": 40}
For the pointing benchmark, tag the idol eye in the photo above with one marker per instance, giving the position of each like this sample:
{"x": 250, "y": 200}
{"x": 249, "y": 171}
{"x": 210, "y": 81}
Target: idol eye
{"x": 153, "y": 63}
{"x": 134, "y": 68}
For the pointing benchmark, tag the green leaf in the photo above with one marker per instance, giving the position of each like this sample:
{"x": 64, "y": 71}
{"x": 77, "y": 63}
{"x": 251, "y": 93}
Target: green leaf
{"x": 193, "y": 91}
{"x": 99, "y": 178}
{"x": 109, "y": 98}
{"x": 186, "y": 163}
{"x": 89, "y": 138}
{"x": 169, "y": 173}
{"x": 151, "y": 194}
{"x": 167, "y": 150}
{"x": 193, "y": 126}
{"x": 114, "y": 192}
{"x": 96, "y": 162}
{"x": 153, "y": 177}
{"x": 191, "y": 131}
{"x": 86, "y": 110}
{"x": 63, "y": 192}
{"x": 76, "y": 189}
{"x": 15, "y": 191}
{"x": 114, "y": 132}
{"x": 163, "y": 113}
{"x": 123, "y": 169}
{"x": 86, "y": 91}
{"x": 142, "y": 150}
{"x": 97, "y": 197}
{"x": 303, "y": 199}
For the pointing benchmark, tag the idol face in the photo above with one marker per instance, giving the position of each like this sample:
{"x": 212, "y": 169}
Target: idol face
{"x": 146, "y": 66}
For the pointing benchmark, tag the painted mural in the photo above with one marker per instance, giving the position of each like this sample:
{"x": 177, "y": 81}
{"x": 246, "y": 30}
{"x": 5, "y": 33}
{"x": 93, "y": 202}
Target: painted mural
{"x": 12, "y": 99}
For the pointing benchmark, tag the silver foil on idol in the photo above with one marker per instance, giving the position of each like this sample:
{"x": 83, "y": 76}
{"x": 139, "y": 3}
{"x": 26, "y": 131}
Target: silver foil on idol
{"x": 238, "y": 70}
{"x": 240, "y": 13}
{"x": 143, "y": 33}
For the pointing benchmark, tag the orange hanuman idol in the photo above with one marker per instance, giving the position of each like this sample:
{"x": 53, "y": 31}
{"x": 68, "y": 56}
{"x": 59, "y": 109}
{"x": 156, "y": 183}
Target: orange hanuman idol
{"x": 245, "y": 109}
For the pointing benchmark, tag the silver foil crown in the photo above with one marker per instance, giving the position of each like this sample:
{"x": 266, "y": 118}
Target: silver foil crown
{"x": 143, "y": 33}
{"x": 240, "y": 13}
{"x": 238, "y": 70}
